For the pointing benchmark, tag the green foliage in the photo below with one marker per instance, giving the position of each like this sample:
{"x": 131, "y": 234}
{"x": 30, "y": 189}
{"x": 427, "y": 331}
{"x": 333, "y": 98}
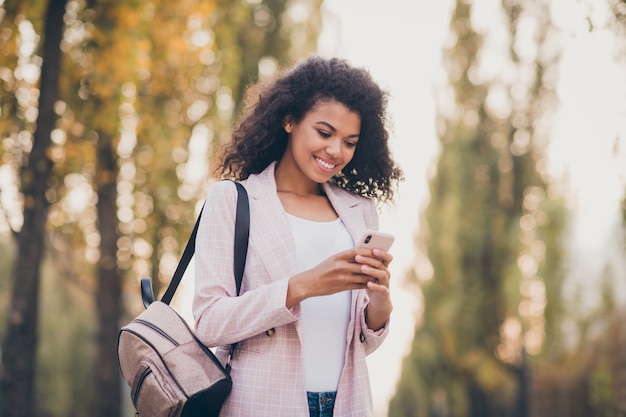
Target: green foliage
{"x": 600, "y": 389}
{"x": 66, "y": 352}
{"x": 494, "y": 309}
{"x": 493, "y": 233}
{"x": 7, "y": 254}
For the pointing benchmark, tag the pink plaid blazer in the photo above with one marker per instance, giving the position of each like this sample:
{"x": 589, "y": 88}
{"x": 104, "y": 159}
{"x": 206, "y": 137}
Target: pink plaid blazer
{"x": 267, "y": 371}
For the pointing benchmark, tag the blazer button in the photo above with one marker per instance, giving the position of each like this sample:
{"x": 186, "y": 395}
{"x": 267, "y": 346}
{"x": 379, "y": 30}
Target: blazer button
{"x": 362, "y": 337}
{"x": 270, "y": 332}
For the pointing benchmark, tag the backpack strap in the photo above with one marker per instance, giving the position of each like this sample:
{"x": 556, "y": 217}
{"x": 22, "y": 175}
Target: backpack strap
{"x": 242, "y": 233}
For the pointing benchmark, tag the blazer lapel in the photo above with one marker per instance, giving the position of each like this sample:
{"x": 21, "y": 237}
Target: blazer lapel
{"x": 347, "y": 207}
{"x": 272, "y": 237}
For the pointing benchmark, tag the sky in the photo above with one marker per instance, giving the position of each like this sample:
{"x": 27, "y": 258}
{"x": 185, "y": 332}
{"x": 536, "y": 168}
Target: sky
{"x": 400, "y": 42}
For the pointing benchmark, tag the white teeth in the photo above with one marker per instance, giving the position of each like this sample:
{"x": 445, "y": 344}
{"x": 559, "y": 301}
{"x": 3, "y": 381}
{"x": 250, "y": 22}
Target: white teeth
{"x": 325, "y": 164}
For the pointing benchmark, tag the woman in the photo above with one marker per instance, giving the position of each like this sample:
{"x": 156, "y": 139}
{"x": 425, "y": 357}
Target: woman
{"x": 312, "y": 152}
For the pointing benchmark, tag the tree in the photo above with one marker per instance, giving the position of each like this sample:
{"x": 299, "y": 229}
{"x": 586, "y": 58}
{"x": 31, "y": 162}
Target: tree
{"x": 617, "y": 331}
{"x": 150, "y": 105}
{"x": 20, "y": 343}
{"x": 493, "y": 231}
{"x": 147, "y": 90}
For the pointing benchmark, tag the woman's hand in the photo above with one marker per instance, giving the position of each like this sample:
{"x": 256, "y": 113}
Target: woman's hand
{"x": 353, "y": 269}
{"x": 339, "y": 272}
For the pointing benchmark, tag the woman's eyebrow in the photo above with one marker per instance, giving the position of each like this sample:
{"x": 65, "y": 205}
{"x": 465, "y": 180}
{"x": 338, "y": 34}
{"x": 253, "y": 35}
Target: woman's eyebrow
{"x": 331, "y": 127}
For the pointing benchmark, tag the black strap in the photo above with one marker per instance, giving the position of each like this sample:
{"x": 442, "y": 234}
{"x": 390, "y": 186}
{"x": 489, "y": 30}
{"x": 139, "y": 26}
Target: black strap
{"x": 242, "y": 232}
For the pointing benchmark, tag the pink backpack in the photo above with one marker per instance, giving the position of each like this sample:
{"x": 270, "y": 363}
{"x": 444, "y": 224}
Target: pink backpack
{"x": 169, "y": 371}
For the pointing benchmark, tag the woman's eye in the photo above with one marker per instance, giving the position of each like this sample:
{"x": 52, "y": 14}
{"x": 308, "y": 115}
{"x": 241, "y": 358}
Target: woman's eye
{"x": 351, "y": 144}
{"x": 323, "y": 134}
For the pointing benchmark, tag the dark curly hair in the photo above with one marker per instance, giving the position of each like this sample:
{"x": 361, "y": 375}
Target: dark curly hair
{"x": 259, "y": 138}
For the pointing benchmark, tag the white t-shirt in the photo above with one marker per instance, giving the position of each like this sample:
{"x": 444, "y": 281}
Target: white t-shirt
{"x": 324, "y": 319}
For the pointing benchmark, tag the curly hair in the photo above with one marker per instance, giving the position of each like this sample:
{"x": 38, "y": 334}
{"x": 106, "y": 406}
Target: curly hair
{"x": 259, "y": 138}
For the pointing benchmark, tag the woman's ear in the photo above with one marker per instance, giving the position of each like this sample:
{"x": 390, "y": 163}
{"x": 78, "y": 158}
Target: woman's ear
{"x": 288, "y": 124}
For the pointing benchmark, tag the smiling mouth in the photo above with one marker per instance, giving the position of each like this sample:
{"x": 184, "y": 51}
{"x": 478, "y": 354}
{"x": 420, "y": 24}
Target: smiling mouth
{"x": 325, "y": 164}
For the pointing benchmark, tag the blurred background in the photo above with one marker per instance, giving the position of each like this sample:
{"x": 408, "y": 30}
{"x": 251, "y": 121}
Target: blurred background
{"x": 508, "y": 118}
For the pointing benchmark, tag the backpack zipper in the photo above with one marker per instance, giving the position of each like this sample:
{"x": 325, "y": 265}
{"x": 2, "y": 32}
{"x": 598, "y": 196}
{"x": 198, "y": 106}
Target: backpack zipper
{"x": 142, "y": 378}
{"x": 157, "y": 330}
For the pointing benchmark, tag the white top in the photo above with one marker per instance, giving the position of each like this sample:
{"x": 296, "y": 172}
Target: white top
{"x": 324, "y": 319}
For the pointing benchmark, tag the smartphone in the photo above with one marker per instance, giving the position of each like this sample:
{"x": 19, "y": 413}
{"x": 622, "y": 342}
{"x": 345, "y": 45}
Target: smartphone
{"x": 373, "y": 239}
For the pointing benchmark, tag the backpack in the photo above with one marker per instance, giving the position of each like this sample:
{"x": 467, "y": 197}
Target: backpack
{"x": 169, "y": 371}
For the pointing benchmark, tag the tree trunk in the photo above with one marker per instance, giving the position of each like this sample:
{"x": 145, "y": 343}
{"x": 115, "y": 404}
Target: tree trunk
{"x": 108, "y": 295}
{"x": 19, "y": 348}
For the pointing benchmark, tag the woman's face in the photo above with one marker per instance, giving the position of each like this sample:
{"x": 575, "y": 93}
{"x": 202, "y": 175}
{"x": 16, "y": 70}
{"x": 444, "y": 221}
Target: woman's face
{"x": 323, "y": 142}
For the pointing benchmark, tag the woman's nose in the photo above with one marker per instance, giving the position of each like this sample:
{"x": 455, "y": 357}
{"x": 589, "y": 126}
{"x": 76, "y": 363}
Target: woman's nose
{"x": 334, "y": 147}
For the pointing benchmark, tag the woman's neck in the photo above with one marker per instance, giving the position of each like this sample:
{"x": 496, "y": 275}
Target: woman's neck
{"x": 296, "y": 184}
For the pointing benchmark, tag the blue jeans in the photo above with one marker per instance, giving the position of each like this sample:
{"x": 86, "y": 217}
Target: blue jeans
{"x": 321, "y": 404}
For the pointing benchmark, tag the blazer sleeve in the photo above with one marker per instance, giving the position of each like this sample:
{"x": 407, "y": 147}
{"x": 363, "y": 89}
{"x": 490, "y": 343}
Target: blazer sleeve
{"x": 371, "y": 339}
{"x": 221, "y": 317}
